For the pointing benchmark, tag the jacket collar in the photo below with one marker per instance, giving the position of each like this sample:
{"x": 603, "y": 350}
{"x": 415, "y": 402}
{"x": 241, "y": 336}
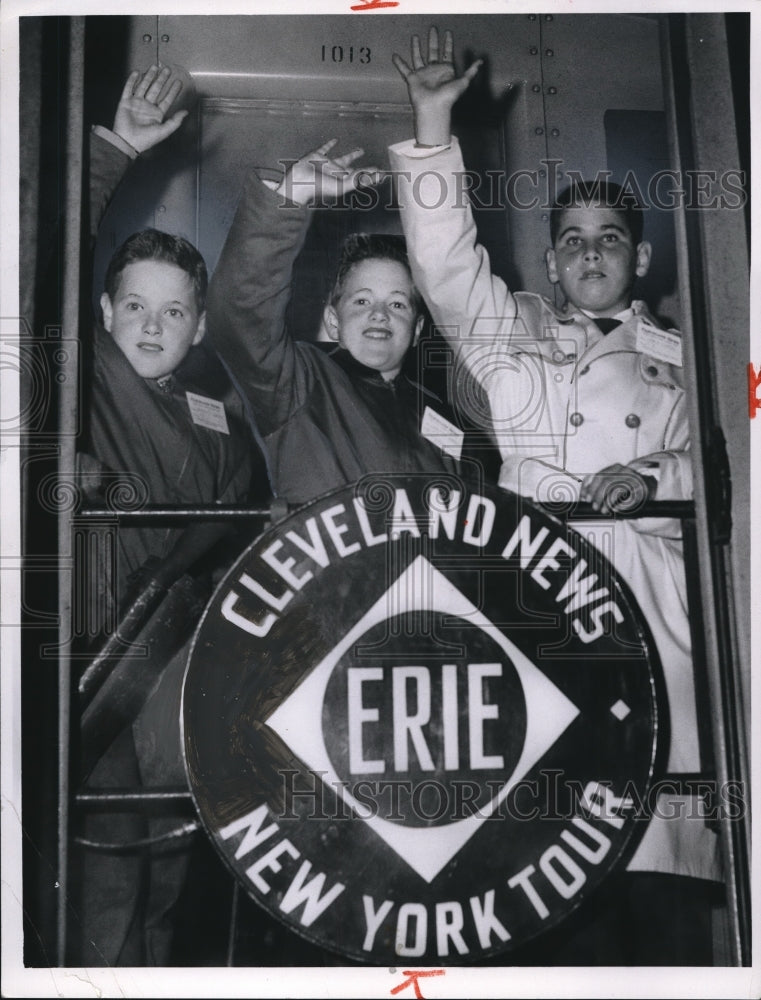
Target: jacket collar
{"x": 356, "y": 369}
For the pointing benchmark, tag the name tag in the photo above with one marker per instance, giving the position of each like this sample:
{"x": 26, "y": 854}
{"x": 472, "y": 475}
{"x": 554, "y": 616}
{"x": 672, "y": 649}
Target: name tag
{"x": 660, "y": 344}
{"x": 439, "y": 431}
{"x": 207, "y": 412}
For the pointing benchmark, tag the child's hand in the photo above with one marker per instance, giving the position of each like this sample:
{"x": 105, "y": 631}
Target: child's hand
{"x": 434, "y": 87}
{"x": 617, "y": 488}
{"x": 140, "y": 115}
{"x": 317, "y": 179}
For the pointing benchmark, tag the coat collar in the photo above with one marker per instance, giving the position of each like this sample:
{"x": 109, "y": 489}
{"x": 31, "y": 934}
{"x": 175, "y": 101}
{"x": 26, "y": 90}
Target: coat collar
{"x": 591, "y": 341}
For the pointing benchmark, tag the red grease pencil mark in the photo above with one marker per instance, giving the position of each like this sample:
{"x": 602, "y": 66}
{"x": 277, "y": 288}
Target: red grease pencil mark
{"x": 414, "y": 975}
{"x": 754, "y": 380}
{"x": 375, "y": 4}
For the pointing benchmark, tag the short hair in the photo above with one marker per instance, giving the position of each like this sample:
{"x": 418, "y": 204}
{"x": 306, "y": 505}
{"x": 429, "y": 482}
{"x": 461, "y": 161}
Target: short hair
{"x": 579, "y": 194}
{"x": 372, "y": 246}
{"x": 152, "y": 244}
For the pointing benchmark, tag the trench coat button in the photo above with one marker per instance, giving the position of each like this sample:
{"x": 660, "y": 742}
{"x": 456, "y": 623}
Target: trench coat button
{"x": 632, "y": 420}
{"x": 576, "y": 419}
{"x": 558, "y": 356}
{"x": 651, "y": 370}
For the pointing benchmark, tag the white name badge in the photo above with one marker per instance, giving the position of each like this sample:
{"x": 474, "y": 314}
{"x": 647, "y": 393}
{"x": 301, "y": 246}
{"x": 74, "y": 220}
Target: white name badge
{"x": 439, "y": 431}
{"x": 207, "y": 412}
{"x": 660, "y": 344}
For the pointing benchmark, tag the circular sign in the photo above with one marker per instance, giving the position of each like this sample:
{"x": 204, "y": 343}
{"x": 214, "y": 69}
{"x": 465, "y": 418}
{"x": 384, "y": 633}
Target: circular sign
{"x": 416, "y": 717}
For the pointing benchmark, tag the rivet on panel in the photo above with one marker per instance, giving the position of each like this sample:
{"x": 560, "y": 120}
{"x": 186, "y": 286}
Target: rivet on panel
{"x": 549, "y": 52}
{"x": 536, "y": 88}
{"x": 539, "y": 130}
{"x": 533, "y": 50}
{"x": 555, "y": 131}
{"x": 552, "y": 90}
{"x": 165, "y": 38}
{"x": 147, "y": 38}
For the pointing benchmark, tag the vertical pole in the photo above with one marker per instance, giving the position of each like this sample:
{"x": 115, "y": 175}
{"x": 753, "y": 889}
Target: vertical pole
{"x": 232, "y": 933}
{"x": 692, "y": 91}
{"x": 67, "y": 448}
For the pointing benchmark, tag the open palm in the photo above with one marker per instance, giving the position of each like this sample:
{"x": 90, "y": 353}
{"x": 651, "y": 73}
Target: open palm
{"x": 434, "y": 79}
{"x": 144, "y": 103}
{"x": 316, "y": 177}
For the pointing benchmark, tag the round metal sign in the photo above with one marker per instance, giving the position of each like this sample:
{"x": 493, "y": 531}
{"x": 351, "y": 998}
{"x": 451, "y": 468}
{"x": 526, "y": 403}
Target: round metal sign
{"x": 415, "y": 715}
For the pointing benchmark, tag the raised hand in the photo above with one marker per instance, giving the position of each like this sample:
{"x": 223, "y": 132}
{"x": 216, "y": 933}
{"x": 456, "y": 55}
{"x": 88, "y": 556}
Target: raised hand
{"x": 433, "y": 86}
{"x": 316, "y": 178}
{"x": 143, "y": 106}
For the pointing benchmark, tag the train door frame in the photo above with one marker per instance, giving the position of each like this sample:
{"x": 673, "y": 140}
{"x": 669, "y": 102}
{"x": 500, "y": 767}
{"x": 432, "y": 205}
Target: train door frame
{"x": 684, "y": 38}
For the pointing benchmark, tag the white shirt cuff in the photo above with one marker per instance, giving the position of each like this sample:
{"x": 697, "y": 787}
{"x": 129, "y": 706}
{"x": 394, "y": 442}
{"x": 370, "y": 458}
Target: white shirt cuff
{"x": 116, "y": 140}
{"x": 410, "y": 148}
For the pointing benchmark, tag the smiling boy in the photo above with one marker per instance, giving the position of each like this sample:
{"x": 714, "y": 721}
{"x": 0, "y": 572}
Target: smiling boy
{"x": 374, "y": 312}
{"x": 329, "y": 414}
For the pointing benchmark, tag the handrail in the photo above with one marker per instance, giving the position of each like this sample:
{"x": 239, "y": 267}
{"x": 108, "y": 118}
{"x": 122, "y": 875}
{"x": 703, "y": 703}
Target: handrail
{"x": 574, "y": 510}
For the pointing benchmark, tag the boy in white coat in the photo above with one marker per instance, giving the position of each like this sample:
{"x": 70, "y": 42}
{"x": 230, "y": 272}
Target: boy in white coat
{"x": 586, "y": 401}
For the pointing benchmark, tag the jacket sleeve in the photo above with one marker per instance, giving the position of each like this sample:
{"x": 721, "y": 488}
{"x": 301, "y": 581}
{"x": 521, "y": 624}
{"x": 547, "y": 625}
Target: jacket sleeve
{"x": 673, "y": 473}
{"x": 673, "y": 461}
{"x": 451, "y": 269}
{"x": 248, "y": 296}
{"x": 483, "y": 322}
{"x": 110, "y": 158}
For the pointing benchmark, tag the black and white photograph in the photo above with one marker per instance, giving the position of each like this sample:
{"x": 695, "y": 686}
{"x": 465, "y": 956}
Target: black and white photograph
{"x": 392, "y": 636}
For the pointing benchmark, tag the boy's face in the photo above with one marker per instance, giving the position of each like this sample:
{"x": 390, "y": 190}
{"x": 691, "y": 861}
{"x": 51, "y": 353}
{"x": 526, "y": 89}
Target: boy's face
{"x": 595, "y": 260}
{"x": 375, "y": 318}
{"x": 154, "y": 317}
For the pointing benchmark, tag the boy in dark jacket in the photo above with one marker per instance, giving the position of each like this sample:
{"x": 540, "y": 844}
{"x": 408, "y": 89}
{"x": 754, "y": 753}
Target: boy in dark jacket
{"x": 328, "y": 417}
{"x": 163, "y": 435}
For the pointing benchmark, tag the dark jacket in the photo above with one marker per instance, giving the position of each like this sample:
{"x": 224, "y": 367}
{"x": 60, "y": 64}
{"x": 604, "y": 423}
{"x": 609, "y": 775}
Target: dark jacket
{"x": 141, "y": 444}
{"x": 326, "y": 419}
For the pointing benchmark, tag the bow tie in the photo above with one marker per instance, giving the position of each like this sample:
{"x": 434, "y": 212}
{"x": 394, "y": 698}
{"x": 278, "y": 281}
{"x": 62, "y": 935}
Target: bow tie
{"x": 606, "y": 324}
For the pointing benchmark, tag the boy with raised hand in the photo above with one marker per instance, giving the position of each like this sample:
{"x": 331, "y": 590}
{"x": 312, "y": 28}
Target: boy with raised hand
{"x": 147, "y": 413}
{"x": 329, "y": 413}
{"x": 147, "y": 423}
{"x": 586, "y": 402}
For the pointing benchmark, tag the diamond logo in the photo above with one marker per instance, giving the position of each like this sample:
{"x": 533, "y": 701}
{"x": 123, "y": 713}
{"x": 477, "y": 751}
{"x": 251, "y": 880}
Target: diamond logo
{"x": 422, "y": 588}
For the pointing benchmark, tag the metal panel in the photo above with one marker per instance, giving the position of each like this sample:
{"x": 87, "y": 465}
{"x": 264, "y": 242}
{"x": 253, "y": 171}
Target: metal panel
{"x": 623, "y": 73}
{"x": 328, "y": 57}
{"x": 552, "y": 106}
